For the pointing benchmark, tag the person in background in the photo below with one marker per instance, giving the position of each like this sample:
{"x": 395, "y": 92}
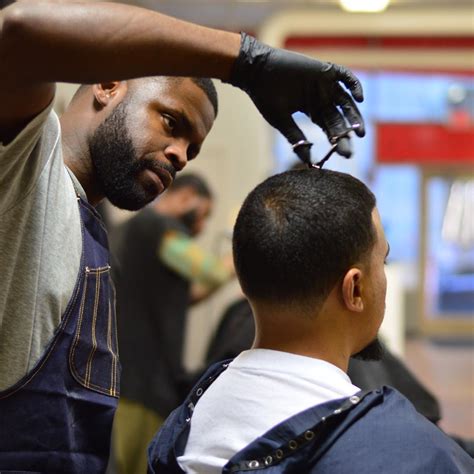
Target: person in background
{"x": 309, "y": 251}
{"x": 161, "y": 272}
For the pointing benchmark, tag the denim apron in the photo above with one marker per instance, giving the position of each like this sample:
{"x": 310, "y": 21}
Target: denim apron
{"x": 58, "y": 418}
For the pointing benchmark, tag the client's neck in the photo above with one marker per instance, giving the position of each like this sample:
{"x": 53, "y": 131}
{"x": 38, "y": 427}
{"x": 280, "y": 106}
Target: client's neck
{"x": 299, "y": 332}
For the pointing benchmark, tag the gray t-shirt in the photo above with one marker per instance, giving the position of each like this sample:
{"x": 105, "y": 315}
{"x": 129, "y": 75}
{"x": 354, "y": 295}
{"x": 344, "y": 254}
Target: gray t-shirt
{"x": 40, "y": 244}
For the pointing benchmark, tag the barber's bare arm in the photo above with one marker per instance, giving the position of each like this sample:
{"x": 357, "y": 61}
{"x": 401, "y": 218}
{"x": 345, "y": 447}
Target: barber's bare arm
{"x": 44, "y": 42}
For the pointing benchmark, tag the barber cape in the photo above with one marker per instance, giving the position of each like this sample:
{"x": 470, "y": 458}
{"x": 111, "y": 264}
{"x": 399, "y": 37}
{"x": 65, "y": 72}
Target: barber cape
{"x": 376, "y": 431}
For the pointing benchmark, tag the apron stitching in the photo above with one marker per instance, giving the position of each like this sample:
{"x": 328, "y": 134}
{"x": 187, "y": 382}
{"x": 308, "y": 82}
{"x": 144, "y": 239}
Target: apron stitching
{"x": 115, "y": 346}
{"x": 98, "y": 271}
{"x": 109, "y": 347}
{"x": 86, "y": 380}
{"x": 94, "y": 336}
{"x": 114, "y": 359}
{"x": 78, "y": 329}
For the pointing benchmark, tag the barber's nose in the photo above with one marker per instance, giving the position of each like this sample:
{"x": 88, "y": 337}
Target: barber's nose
{"x": 177, "y": 154}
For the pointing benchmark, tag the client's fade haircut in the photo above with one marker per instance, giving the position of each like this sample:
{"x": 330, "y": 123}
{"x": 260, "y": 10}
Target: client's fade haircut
{"x": 298, "y": 232}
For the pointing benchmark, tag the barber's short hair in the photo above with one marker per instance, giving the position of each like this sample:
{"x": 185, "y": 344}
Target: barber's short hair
{"x": 193, "y": 181}
{"x": 298, "y": 232}
{"x": 208, "y": 87}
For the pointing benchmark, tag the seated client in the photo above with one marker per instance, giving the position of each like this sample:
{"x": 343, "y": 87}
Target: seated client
{"x": 309, "y": 251}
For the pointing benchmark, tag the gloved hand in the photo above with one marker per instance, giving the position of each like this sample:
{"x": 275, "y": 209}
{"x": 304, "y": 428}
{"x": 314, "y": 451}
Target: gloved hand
{"x": 281, "y": 83}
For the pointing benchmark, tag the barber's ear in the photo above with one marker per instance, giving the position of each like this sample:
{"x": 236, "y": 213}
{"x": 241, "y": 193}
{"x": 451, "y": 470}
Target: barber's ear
{"x": 106, "y": 92}
{"x": 352, "y": 290}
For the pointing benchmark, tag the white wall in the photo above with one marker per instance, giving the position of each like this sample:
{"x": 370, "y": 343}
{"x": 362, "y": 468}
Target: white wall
{"x": 235, "y": 157}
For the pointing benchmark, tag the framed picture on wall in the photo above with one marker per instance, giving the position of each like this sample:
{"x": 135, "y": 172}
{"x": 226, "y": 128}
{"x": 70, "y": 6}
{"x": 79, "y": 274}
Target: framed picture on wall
{"x": 447, "y": 252}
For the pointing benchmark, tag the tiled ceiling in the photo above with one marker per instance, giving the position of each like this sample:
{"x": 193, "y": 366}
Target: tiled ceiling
{"x": 249, "y": 14}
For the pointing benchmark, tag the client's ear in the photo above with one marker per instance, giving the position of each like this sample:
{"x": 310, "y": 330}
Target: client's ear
{"x": 352, "y": 290}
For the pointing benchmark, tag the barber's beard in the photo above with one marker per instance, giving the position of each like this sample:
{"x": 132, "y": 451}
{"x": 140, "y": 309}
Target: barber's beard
{"x": 373, "y": 351}
{"x": 117, "y": 165}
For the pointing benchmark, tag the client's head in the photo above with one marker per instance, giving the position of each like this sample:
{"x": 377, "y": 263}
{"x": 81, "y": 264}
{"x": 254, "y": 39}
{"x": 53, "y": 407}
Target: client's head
{"x": 309, "y": 251}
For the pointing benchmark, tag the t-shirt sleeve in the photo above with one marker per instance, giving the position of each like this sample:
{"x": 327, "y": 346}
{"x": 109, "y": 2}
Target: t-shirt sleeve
{"x": 21, "y": 160}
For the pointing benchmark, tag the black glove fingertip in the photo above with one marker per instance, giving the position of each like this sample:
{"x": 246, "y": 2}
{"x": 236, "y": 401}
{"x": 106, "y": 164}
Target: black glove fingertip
{"x": 351, "y": 82}
{"x": 360, "y": 130}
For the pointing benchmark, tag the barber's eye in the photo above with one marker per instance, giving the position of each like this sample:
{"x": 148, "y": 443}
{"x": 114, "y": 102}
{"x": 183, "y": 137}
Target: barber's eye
{"x": 170, "y": 122}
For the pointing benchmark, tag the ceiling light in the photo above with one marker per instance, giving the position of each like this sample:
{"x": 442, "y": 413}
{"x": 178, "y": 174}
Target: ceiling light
{"x": 371, "y": 6}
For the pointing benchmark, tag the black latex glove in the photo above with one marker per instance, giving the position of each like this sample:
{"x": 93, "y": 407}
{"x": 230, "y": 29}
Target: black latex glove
{"x": 281, "y": 83}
